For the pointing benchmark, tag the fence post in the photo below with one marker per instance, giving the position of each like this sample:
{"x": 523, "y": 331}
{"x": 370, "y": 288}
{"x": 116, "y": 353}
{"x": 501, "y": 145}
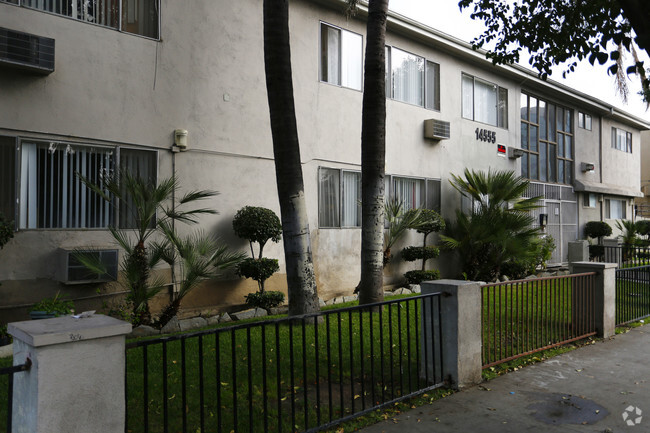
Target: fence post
{"x": 605, "y": 294}
{"x": 460, "y": 317}
{"x": 76, "y": 382}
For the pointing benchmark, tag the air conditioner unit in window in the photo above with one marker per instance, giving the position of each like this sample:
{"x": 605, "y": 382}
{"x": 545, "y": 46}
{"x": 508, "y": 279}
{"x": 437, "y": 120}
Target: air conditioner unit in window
{"x": 436, "y": 129}
{"x": 72, "y": 271}
{"x": 26, "y": 51}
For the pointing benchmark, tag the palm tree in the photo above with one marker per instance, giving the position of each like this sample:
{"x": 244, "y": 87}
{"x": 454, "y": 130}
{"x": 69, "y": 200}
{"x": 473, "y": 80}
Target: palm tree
{"x": 301, "y": 280}
{"x": 498, "y": 230}
{"x": 197, "y": 257}
{"x": 146, "y": 207}
{"x": 373, "y": 155}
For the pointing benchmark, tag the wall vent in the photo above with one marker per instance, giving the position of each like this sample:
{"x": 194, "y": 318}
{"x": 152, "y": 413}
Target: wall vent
{"x": 72, "y": 271}
{"x": 26, "y": 51}
{"x": 436, "y": 129}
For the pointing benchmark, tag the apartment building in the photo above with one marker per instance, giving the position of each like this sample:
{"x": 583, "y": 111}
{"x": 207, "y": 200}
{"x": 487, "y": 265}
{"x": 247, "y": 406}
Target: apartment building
{"x": 87, "y": 86}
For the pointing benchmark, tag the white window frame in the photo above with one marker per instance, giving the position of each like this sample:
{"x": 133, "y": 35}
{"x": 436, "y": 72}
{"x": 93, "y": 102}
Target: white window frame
{"x": 343, "y": 200}
{"x": 468, "y": 105}
{"x": 429, "y": 94}
{"x": 346, "y": 68}
{"x": 621, "y": 140}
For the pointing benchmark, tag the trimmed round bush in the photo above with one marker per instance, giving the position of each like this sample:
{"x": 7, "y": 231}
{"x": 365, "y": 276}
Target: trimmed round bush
{"x": 432, "y": 222}
{"x": 258, "y": 269}
{"x": 257, "y": 224}
{"x": 265, "y": 300}
{"x": 411, "y": 254}
{"x": 417, "y": 276}
{"x": 597, "y": 229}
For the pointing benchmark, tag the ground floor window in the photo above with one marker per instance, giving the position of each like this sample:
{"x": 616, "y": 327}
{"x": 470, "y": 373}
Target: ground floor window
{"x": 339, "y": 195}
{"x": 590, "y": 200}
{"x": 50, "y": 192}
{"x": 615, "y": 209}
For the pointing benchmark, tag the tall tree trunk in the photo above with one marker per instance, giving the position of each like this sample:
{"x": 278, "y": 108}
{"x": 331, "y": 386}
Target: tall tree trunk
{"x": 373, "y": 152}
{"x": 301, "y": 281}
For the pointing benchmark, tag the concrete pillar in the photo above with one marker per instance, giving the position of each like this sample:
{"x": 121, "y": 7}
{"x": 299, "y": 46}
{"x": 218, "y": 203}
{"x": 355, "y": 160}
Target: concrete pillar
{"x": 460, "y": 316}
{"x": 613, "y": 252}
{"x": 76, "y": 382}
{"x": 578, "y": 251}
{"x": 605, "y": 294}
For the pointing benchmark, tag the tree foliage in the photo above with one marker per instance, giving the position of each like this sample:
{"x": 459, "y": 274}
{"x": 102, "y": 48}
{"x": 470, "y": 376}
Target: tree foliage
{"x": 558, "y": 32}
{"x": 6, "y": 230}
{"x": 257, "y": 224}
{"x": 597, "y": 230}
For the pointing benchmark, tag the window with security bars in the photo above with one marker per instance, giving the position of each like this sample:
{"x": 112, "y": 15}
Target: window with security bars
{"x": 52, "y": 195}
{"x": 140, "y": 17}
{"x": 547, "y": 141}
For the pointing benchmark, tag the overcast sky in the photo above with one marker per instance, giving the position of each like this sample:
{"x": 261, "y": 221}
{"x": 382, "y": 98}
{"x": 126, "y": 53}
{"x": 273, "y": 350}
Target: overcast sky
{"x": 444, "y": 15}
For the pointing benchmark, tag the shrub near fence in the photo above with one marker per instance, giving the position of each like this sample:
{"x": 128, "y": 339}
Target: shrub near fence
{"x": 283, "y": 375}
{"x": 527, "y": 316}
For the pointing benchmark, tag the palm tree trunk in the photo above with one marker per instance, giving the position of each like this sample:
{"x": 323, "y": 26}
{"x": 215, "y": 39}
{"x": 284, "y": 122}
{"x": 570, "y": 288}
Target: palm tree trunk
{"x": 301, "y": 280}
{"x": 373, "y": 151}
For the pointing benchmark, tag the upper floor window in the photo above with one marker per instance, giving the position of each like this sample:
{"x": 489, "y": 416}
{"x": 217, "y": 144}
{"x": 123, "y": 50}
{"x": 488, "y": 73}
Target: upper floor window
{"x": 621, "y": 140}
{"x": 584, "y": 121}
{"x": 412, "y": 79}
{"x": 547, "y": 141}
{"x": 140, "y": 17}
{"x": 341, "y": 57}
{"x": 49, "y": 191}
{"x": 484, "y": 102}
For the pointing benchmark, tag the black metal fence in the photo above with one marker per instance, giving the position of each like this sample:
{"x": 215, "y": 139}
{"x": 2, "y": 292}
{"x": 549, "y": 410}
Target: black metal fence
{"x": 632, "y": 294}
{"x": 9, "y": 372}
{"x": 623, "y": 255}
{"x": 286, "y": 375}
{"x": 527, "y": 316}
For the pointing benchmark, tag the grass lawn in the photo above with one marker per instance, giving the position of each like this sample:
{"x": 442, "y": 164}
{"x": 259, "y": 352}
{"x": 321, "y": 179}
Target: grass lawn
{"x": 277, "y": 376}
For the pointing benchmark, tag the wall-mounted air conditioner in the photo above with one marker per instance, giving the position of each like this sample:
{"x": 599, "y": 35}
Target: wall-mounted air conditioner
{"x": 515, "y": 152}
{"x": 436, "y": 129}
{"x": 72, "y": 271}
{"x": 26, "y": 51}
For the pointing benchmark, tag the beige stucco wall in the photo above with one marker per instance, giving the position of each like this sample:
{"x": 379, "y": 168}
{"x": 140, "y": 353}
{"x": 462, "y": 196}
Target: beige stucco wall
{"x": 206, "y": 75}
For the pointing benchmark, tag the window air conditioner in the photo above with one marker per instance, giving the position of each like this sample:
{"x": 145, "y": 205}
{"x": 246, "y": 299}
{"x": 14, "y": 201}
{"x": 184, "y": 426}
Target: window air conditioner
{"x": 72, "y": 271}
{"x": 26, "y": 51}
{"x": 436, "y": 129}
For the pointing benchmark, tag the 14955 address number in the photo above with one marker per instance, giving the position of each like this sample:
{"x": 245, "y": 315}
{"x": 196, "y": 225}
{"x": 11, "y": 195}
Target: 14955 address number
{"x": 485, "y": 135}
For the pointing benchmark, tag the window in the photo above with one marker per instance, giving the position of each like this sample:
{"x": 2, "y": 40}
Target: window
{"x": 615, "y": 209}
{"x": 584, "y": 121}
{"x": 139, "y": 17}
{"x": 341, "y": 57}
{"x": 484, "y": 102}
{"x": 621, "y": 140}
{"x": 412, "y": 79}
{"x": 339, "y": 198}
{"x": 590, "y": 200}
{"x": 339, "y": 195}
{"x": 52, "y": 195}
{"x": 547, "y": 141}
{"x": 414, "y": 192}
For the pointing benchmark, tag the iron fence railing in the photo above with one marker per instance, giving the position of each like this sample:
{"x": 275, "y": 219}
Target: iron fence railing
{"x": 527, "y": 316}
{"x": 623, "y": 255}
{"x": 632, "y": 294}
{"x": 9, "y": 373}
{"x": 287, "y": 375}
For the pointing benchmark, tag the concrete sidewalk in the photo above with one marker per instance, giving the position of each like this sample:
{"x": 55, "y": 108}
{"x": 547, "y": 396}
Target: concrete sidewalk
{"x": 585, "y": 390}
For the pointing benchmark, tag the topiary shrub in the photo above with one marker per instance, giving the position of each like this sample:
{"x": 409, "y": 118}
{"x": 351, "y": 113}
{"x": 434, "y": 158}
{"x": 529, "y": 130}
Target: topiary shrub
{"x": 257, "y": 224}
{"x": 412, "y": 253}
{"x": 258, "y": 269}
{"x": 265, "y": 300}
{"x": 596, "y": 252}
{"x": 417, "y": 276}
{"x": 597, "y": 230}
